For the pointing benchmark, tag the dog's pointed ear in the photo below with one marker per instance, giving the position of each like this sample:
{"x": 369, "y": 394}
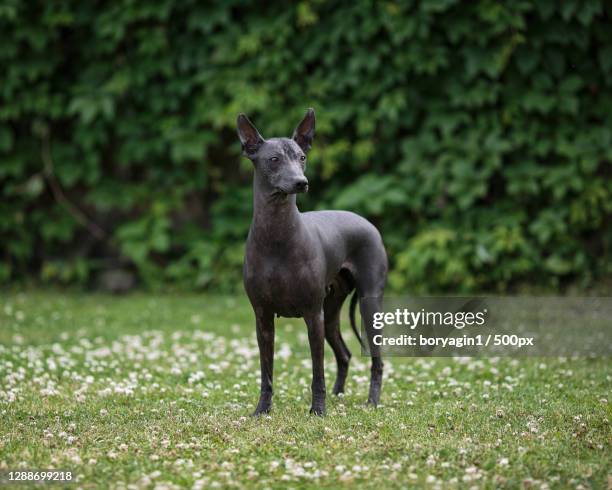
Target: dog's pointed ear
{"x": 305, "y": 131}
{"x": 250, "y": 138}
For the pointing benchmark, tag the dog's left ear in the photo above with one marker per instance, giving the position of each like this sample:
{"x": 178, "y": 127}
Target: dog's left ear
{"x": 305, "y": 131}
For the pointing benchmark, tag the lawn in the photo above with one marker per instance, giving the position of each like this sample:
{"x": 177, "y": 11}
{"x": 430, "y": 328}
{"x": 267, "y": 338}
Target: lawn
{"x": 156, "y": 391}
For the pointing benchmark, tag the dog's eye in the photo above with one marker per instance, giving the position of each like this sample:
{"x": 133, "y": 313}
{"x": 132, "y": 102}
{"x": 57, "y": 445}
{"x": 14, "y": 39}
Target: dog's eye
{"x": 274, "y": 159}
{"x": 303, "y": 158}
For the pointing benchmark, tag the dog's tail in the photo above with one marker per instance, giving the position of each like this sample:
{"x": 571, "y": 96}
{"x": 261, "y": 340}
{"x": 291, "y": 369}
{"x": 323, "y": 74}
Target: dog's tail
{"x": 352, "y": 307}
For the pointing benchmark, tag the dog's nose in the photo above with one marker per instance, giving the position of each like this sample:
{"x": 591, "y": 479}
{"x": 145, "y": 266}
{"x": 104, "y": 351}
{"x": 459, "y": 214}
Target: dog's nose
{"x": 301, "y": 185}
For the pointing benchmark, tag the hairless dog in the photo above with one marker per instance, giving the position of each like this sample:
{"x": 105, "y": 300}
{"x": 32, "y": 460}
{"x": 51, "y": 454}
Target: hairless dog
{"x": 306, "y": 264}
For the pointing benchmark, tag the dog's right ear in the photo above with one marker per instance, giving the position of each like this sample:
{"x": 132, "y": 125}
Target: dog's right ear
{"x": 250, "y": 138}
{"x": 305, "y": 131}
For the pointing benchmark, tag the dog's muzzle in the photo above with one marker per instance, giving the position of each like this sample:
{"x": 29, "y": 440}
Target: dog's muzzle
{"x": 301, "y": 186}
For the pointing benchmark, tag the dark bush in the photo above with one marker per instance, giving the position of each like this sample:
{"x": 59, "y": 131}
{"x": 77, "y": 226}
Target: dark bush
{"x": 475, "y": 135}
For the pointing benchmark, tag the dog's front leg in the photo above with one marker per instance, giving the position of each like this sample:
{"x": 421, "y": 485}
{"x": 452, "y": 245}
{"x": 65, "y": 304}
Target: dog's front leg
{"x": 316, "y": 337}
{"x": 265, "y": 339}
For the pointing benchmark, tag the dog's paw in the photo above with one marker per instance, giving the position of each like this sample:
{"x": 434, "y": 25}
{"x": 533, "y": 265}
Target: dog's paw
{"x": 260, "y": 413}
{"x": 338, "y": 390}
{"x": 372, "y": 403}
{"x": 262, "y": 410}
{"x": 318, "y": 411}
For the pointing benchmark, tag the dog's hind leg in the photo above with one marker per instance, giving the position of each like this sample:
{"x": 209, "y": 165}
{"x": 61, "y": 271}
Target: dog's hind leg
{"x": 337, "y": 293}
{"x": 369, "y": 305}
{"x": 341, "y": 351}
{"x": 370, "y": 283}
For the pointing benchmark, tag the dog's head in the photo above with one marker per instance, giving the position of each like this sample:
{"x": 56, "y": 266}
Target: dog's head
{"x": 279, "y": 162}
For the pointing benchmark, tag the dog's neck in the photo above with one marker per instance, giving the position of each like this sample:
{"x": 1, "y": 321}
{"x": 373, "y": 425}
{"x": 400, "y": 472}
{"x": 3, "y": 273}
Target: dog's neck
{"x": 276, "y": 218}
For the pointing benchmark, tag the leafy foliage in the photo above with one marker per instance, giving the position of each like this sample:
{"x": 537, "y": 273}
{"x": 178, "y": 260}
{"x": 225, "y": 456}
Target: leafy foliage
{"x": 477, "y": 136}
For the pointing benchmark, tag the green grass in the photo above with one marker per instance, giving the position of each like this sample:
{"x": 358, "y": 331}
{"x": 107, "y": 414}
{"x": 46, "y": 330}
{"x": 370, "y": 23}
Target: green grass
{"x": 157, "y": 390}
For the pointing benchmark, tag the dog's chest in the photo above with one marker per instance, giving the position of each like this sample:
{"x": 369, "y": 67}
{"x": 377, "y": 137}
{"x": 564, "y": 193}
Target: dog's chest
{"x": 288, "y": 287}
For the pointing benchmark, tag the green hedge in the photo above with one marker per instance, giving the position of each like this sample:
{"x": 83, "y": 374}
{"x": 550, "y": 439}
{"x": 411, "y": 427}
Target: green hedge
{"x": 475, "y": 135}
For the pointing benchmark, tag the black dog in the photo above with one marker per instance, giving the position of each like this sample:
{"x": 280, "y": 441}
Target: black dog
{"x": 305, "y": 264}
